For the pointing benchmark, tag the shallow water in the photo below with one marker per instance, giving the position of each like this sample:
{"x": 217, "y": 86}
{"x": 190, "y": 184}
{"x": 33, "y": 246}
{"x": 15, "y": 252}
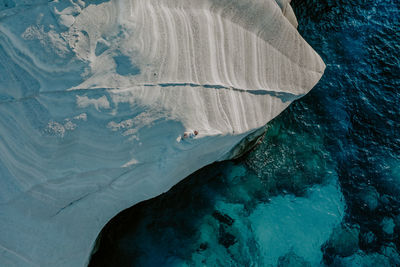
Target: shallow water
{"x": 323, "y": 188}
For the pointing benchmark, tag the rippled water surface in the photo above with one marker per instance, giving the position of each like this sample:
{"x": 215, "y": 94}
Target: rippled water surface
{"x": 323, "y": 188}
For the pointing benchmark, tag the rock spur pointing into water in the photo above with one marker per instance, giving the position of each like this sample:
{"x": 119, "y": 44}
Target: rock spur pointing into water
{"x": 94, "y": 95}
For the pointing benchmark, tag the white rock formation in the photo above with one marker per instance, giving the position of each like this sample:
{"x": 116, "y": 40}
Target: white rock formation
{"x": 95, "y": 95}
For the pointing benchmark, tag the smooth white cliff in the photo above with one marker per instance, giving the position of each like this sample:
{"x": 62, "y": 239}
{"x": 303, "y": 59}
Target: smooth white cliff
{"x": 95, "y": 97}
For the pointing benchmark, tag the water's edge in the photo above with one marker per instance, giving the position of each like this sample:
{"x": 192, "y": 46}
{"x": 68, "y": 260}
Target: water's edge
{"x": 246, "y": 145}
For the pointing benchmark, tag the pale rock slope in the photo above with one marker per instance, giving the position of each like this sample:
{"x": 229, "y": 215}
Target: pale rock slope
{"x": 95, "y": 95}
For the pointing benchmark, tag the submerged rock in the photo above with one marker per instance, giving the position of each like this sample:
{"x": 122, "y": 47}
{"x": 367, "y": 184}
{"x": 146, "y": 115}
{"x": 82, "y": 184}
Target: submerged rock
{"x": 392, "y": 254}
{"x": 388, "y": 226}
{"x": 368, "y": 238}
{"x": 96, "y": 95}
{"x": 369, "y": 197}
{"x": 362, "y": 260}
{"x": 388, "y": 256}
{"x": 223, "y": 218}
{"x": 343, "y": 241}
{"x": 292, "y": 260}
{"x": 225, "y": 238}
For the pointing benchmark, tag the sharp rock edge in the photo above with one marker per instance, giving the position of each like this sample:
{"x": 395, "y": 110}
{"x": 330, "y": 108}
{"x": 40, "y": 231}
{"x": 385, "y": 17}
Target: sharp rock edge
{"x": 95, "y": 96}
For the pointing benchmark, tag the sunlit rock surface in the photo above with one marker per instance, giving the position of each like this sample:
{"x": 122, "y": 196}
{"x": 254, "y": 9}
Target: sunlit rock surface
{"x": 95, "y": 97}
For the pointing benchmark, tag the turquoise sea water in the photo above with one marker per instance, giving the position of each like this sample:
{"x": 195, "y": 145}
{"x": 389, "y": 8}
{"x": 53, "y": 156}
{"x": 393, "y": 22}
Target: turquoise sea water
{"x": 323, "y": 188}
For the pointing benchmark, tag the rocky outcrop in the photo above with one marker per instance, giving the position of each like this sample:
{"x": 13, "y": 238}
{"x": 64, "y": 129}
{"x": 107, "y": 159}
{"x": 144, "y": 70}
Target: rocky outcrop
{"x": 95, "y": 97}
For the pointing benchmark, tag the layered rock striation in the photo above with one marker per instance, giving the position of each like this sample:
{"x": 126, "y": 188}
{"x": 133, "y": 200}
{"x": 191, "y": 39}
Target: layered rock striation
{"x": 95, "y": 97}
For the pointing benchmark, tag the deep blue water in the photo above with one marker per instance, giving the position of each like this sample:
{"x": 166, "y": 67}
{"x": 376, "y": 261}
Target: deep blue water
{"x": 323, "y": 188}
